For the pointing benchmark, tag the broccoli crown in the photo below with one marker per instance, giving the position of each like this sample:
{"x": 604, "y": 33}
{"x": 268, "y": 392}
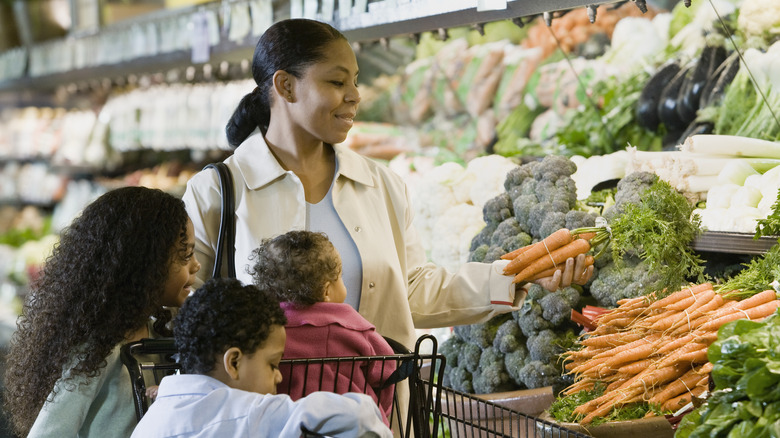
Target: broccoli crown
{"x": 580, "y": 219}
{"x": 553, "y": 222}
{"x": 483, "y": 237}
{"x": 522, "y": 206}
{"x": 517, "y": 241}
{"x": 450, "y": 349}
{"x": 459, "y": 379}
{"x": 537, "y": 374}
{"x": 484, "y": 333}
{"x": 530, "y": 319}
{"x": 514, "y": 361}
{"x": 545, "y": 346}
{"x": 556, "y": 308}
{"x": 536, "y": 292}
{"x": 493, "y": 253}
{"x": 629, "y": 279}
{"x": 506, "y": 230}
{"x": 492, "y": 375}
{"x": 478, "y": 254}
{"x": 554, "y": 167}
{"x": 468, "y": 357}
{"x": 629, "y": 190}
{"x": 497, "y": 209}
{"x": 571, "y": 294}
{"x": 508, "y": 337}
{"x": 518, "y": 175}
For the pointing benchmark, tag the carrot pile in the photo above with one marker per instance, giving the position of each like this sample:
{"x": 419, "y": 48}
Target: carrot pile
{"x": 656, "y": 351}
{"x": 543, "y": 258}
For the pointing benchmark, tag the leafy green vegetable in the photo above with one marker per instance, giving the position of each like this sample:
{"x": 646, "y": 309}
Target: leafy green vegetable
{"x": 757, "y": 276}
{"x": 770, "y": 226}
{"x": 612, "y": 124}
{"x": 512, "y": 132}
{"x": 659, "y": 229}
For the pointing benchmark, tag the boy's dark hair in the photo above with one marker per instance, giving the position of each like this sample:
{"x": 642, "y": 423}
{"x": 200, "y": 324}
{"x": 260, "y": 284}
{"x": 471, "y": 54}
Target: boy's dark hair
{"x": 221, "y": 314}
{"x": 295, "y": 266}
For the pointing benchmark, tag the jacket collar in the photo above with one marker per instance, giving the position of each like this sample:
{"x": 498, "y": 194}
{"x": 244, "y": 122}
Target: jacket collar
{"x": 259, "y": 167}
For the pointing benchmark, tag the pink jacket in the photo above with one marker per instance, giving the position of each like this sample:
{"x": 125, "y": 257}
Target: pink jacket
{"x": 335, "y": 330}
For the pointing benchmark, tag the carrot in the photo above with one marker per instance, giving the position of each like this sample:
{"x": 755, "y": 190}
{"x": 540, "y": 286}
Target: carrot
{"x": 605, "y": 318}
{"x": 630, "y": 301}
{"x": 757, "y": 299}
{"x": 716, "y": 301}
{"x": 635, "y": 367}
{"x": 703, "y": 298}
{"x": 641, "y": 340}
{"x": 761, "y": 311}
{"x": 707, "y": 338}
{"x": 550, "y": 243}
{"x": 688, "y": 301}
{"x": 611, "y": 340}
{"x": 515, "y": 253}
{"x": 558, "y": 256}
{"x": 689, "y": 353}
{"x": 682, "y": 400}
{"x": 677, "y": 343}
{"x": 632, "y": 355}
{"x": 677, "y": 387}
{"x": 547, "y": 273}
{"x": 658, "y": 376}
{"x": 679, "y": 295}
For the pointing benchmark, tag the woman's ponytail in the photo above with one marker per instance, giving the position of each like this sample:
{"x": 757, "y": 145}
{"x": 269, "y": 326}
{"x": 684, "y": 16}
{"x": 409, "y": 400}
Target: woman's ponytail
{"x": 252, "y": 111}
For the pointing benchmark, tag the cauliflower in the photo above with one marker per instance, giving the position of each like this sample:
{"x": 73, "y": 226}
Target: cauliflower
{"x": 452, "y": 235}
{"x": 759, "y": 17}
{"x": 434, "y": 195}
{"x": 490, "y": 172}
{"x": 599, "y": 168}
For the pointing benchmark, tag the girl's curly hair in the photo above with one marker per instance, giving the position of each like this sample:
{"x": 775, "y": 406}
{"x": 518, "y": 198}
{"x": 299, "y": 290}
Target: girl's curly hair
{"x": 103, "y": 280}
{"x": 295, "y": 266}
{"x": 221, "y": 314}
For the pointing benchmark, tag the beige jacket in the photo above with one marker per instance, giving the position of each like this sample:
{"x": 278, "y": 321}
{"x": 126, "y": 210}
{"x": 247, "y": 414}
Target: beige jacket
{"x": 400, "y": 290}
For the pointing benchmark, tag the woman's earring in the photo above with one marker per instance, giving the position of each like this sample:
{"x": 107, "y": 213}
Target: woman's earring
{"x": 289, "y": 97}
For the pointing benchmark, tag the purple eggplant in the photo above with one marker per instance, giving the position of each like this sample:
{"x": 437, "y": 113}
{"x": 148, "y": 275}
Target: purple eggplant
{"x": 667, "y": 105}
{"x": 720, "y": 79}
{"x": 647, "y": 105}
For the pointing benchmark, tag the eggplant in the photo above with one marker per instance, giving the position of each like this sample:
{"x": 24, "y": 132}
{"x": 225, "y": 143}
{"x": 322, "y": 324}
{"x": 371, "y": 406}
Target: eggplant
{"x": 711, "y": 57}
{"x": 696, "y": 128}
{"x": 647, "y": 105}
{"x": 721, "y": 79}
{"x": 686, "y": 112}
{"x": 667, "y": 105}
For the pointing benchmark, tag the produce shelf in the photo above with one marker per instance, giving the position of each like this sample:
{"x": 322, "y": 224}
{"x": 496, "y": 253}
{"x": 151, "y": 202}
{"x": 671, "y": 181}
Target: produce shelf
{"x": 735, "y": 243}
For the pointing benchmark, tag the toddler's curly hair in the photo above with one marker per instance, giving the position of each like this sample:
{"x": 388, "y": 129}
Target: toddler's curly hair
{"x": 295, "y": 266}
{"x": 221, "y": 314}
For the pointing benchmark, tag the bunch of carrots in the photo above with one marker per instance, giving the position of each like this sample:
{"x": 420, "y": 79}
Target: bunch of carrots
{"x": 543, "y": 258}
{"x": 655, "y": 350}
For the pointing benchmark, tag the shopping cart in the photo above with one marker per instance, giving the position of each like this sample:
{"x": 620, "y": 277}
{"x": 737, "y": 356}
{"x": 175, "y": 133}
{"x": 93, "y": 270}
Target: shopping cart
{"x": 426, "y": 409}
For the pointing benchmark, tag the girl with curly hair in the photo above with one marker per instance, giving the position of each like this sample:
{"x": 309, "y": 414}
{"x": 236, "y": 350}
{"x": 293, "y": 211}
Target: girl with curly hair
{"x": 303, "y": 270}
{"x": 129, "y": 254}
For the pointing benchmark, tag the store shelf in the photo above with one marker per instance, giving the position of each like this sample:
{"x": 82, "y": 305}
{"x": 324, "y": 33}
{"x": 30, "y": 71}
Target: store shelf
{"x": 382, "y": 19}
{"x": 734, "y": 243}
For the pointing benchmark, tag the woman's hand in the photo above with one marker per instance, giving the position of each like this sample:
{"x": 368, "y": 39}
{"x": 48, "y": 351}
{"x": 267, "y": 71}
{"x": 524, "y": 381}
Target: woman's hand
{"x": 151, "y": 392}
{"x": 576, "y": 271}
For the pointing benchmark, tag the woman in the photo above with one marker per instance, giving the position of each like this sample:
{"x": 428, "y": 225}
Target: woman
{"x": 125, "y": 257}
{"x": 290, "y": 176}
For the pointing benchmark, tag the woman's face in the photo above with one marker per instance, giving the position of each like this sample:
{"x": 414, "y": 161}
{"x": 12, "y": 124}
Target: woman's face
{"x": 181, "y": 271}
{"x": 326, "y": 96}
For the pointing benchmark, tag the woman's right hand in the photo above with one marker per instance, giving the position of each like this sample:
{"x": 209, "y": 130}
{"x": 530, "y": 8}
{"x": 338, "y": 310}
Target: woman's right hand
{"x": 576, "y": 271}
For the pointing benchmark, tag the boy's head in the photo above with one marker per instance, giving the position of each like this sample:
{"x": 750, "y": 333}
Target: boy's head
{"x": 232, "y": 332}
{"x": 301, "y": 267}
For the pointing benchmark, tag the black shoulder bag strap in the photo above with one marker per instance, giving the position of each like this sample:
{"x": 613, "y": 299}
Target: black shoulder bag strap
{"x": 227, "y": 224}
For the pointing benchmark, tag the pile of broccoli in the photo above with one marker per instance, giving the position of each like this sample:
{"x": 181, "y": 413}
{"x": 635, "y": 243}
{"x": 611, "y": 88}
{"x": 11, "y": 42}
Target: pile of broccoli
{"x": 540, "y": 198}
{"x": 515, "y": 351}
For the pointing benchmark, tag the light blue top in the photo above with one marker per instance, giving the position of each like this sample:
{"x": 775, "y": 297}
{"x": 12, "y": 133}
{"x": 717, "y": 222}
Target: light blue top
{"x": 322, "y": 217}
{"x": 193, "y": 405}
{"x": 101, "y": 406}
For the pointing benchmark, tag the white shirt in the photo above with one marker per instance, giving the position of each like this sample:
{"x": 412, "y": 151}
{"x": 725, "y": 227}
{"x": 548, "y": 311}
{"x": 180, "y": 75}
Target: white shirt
{"x": 198, "y": 406}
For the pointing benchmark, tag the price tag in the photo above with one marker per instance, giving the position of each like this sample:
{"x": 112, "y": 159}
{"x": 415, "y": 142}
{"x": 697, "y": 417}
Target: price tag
{"x": 328, "y": 6}
{"x": 296, "y": 8}
{"x": 491, "y": 5}
{"x": 345, "y": 8}
{"x": 262, "y": 16}
{"x": 200, "y": 38}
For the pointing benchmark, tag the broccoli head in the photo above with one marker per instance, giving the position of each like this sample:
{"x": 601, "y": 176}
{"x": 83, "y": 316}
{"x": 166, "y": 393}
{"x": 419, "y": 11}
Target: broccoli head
{"x": 547, "y": 345}
{"x": 628, "y": 279}
{"x": 537, "y": 374}
{"x": 553, "y": 167}
{"x": 530, "y": 319}
{"x": 514, "y": 361}
{"x": 536, "y": 292}
{"x": 492, "y": 375}
{"x": 497, "y": 209}
{"x": 556, "y": 308}
{"x": 518, "y": 175}
{"x": 483, "y": 334}
{"x": 580, "y": 219}
{"x": 493, "y": 253}
{"x": 571, "y": 294}
{"x": 478, "y": 254}
{"x": 459, "y": 379}
{"x": 518, "y": 241}
{"x": 483, "y": 237}
{"x": 522, "y": 206}
{"x": 508, "y": 337}
{"x": 450, "y": 349}
{"x": 506, "y": 230}
{"x": 468, "y": 357}
{"x": 553, "y": 222}
{"x": 629, "y": 190}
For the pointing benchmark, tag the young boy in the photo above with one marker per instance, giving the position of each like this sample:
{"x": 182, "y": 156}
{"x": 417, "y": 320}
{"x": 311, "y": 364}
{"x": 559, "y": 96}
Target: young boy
{"x": 303, "y": 270}
{"x": 230, "y": 339}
